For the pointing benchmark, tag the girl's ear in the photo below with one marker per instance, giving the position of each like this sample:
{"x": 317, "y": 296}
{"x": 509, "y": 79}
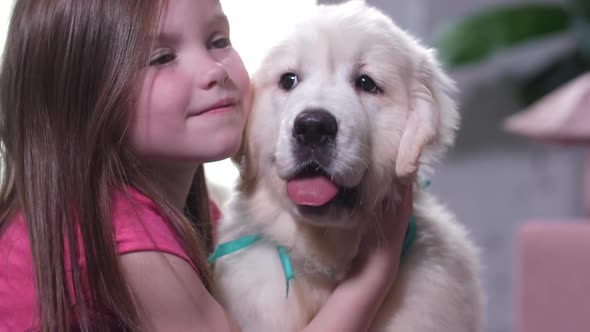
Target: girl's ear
{"x": 431, "y": 121}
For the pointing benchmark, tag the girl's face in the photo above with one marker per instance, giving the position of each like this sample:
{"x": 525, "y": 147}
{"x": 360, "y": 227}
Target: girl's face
{"x": 193, "y": 99}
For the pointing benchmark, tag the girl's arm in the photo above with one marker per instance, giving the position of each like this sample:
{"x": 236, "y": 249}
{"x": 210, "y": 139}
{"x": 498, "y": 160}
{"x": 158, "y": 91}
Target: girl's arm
{"x": 171, "y": 296}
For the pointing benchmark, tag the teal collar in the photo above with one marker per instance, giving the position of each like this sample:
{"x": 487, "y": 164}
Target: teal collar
{"x": 232, "y": 246}
{"x": 410, "y": 235}
{"x": 240, "y": 243}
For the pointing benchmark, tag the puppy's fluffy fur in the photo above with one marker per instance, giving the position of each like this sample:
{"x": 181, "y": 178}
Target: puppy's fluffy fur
{"x": 385, "y": 134}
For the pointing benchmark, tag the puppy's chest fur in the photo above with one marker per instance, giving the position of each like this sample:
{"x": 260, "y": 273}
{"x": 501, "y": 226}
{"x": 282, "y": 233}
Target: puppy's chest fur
{"x": 251, "y": 283}
{"x": 252, "y": 286}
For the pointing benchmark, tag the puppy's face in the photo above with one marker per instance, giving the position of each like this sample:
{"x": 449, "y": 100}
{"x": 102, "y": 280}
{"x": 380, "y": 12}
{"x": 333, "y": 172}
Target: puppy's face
{"x": 343, "y": 108}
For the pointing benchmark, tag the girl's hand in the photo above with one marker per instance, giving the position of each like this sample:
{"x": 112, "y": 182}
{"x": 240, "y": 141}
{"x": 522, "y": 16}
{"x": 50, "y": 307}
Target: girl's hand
{"x": 380, "y": 248}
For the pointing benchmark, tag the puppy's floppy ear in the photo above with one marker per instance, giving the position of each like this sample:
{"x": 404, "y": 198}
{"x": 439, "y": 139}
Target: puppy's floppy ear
{"x": 245, "y": 167}
{"x": 239, "y": 155}
{"x": 242, "y": 157}
{"x": 432, "y": 118}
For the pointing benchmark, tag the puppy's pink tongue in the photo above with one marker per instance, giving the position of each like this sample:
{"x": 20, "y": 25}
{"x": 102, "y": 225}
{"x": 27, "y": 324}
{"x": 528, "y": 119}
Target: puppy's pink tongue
{"x": 313, "y": 191}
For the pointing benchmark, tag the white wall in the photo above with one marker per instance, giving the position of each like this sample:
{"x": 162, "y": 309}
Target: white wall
{"x": 5, "y": 9}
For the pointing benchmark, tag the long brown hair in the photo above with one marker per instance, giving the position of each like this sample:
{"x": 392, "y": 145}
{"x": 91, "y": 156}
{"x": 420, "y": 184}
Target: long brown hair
{"x": 68, "y": 84}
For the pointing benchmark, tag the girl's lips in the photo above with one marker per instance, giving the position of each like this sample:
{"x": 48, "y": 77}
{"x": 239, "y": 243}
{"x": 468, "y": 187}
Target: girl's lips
{"x": 221, "y": 109}
{"x": 221, "y": 106}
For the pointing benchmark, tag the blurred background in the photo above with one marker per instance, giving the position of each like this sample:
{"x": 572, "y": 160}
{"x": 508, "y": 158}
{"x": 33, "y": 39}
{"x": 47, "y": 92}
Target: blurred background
{"x": 505, "y": 56}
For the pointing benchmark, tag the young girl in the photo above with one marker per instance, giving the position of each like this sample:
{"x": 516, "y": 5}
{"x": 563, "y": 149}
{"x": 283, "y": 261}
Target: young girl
{"x": 108, "y": 110}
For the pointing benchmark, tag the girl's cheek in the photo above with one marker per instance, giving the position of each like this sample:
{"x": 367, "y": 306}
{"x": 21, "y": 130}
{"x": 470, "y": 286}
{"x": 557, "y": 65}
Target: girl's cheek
{"x": 238, "y": 73}
{"x": 243, "y": 82}
{"x": 247, "y": 97}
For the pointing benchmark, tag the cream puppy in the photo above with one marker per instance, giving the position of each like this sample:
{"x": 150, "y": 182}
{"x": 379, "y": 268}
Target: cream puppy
{"x": 344, "y": 108}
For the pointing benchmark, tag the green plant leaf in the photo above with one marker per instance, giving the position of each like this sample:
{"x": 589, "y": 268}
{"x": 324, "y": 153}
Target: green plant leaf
{"x": 579, "y": 8}
{"x": 580, "y": 12}
{"x": 484, "y": 34}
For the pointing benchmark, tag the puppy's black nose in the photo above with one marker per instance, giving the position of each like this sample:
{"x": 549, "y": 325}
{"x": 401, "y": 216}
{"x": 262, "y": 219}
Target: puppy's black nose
{"x": 315, "y": 127}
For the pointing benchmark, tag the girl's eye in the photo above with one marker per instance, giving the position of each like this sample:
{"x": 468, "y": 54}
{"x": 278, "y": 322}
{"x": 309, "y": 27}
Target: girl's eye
{"x": 162, "y": 59}
{"x": 367, "y": 84}
{"x": 221, "y": 43}
{"x": 288, "y": 81}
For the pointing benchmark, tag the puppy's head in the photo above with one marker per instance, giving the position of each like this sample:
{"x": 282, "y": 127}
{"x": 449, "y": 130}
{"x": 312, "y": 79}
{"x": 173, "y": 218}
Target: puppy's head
{"x": 344, "y": 108}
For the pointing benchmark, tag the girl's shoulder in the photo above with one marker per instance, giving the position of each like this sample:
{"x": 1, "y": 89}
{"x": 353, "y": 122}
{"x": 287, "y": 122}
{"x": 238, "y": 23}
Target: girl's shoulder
{"x": 138, "y": 225}
{"x": 129, "y": 201}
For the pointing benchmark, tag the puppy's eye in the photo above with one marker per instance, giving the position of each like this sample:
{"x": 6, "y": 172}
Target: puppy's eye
{"x": 366, "y": 83}
{"x": 288, "y": 81}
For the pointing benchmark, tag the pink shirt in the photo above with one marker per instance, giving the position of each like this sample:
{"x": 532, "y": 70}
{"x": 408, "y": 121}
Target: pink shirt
{"x": 137, "y": 226}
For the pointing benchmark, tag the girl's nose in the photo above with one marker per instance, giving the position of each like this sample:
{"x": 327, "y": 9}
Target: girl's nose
{"x": 214, "y": 75}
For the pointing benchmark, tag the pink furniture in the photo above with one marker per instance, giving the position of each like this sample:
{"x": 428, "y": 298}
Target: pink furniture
{"x": 552, "y": 284}
{"x": 553, "y": 276}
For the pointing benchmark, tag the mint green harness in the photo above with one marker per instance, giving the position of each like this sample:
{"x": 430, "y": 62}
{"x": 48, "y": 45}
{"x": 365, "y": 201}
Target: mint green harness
{"x": 240, "y": 243}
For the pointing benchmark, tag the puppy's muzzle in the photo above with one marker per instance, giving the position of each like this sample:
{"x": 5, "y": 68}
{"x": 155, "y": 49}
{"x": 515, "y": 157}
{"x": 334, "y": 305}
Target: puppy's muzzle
{"x": 314, "y": 136}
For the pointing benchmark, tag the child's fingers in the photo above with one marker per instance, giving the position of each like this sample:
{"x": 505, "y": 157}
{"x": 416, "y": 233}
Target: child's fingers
{"x": 406, "y": 205}
{"x": 392, "y": 223}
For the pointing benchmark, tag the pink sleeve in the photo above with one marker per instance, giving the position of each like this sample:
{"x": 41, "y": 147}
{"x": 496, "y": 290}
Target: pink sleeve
{"x": 139, "y": 226}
